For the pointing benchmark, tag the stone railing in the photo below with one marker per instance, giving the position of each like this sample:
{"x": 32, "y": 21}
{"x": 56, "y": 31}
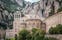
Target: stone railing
{"x": 59, "y": 37}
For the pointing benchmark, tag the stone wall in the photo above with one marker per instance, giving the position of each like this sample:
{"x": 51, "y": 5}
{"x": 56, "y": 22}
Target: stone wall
{"x": 53, "y": 21}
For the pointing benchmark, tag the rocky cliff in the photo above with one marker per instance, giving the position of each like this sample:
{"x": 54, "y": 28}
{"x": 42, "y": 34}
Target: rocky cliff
{"x": 41, "y": 8}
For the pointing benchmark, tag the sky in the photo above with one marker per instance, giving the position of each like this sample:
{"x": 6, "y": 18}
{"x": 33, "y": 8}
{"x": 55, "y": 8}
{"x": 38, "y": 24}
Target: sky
{"x": 32, "y": 0}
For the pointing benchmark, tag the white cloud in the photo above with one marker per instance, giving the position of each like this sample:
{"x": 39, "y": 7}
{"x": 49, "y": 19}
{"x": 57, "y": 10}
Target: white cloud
{"x": 32, "y": 0}
{"x": 29, "y": 0}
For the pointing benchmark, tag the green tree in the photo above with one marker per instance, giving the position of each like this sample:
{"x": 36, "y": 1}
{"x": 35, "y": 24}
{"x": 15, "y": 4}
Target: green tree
{"x": 38, "y": 34}
{"x": 35, "y": 34}
{"x": 56, "y": 30}
{"x": 29, "y": 37}
{"x": 16, "y": 38}
{"x": 34, "y": 30}
{"x": 23, "y": 34}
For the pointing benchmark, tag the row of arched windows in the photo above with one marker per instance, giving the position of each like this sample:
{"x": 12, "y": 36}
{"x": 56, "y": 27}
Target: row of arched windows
{"x": 17, "y": 16}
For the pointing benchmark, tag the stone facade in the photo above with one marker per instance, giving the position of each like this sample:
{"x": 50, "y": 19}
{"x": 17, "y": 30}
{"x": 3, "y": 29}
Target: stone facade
{"x": 29, "y": 23}
{"x": 33, "y": 23}
{"x": 20, "y": 23}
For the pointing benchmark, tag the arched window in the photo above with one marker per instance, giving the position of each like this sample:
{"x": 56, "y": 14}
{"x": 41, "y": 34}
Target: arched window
{"x": 17, "y": 16}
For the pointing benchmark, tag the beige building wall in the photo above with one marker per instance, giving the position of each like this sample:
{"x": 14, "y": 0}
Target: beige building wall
{"x": 2, "y": 33}
{"x": 17, "y": 26}
{"x": 34, "y": 23}
{"x": 10, "y": 33}
{"x": 22, "y": 26}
